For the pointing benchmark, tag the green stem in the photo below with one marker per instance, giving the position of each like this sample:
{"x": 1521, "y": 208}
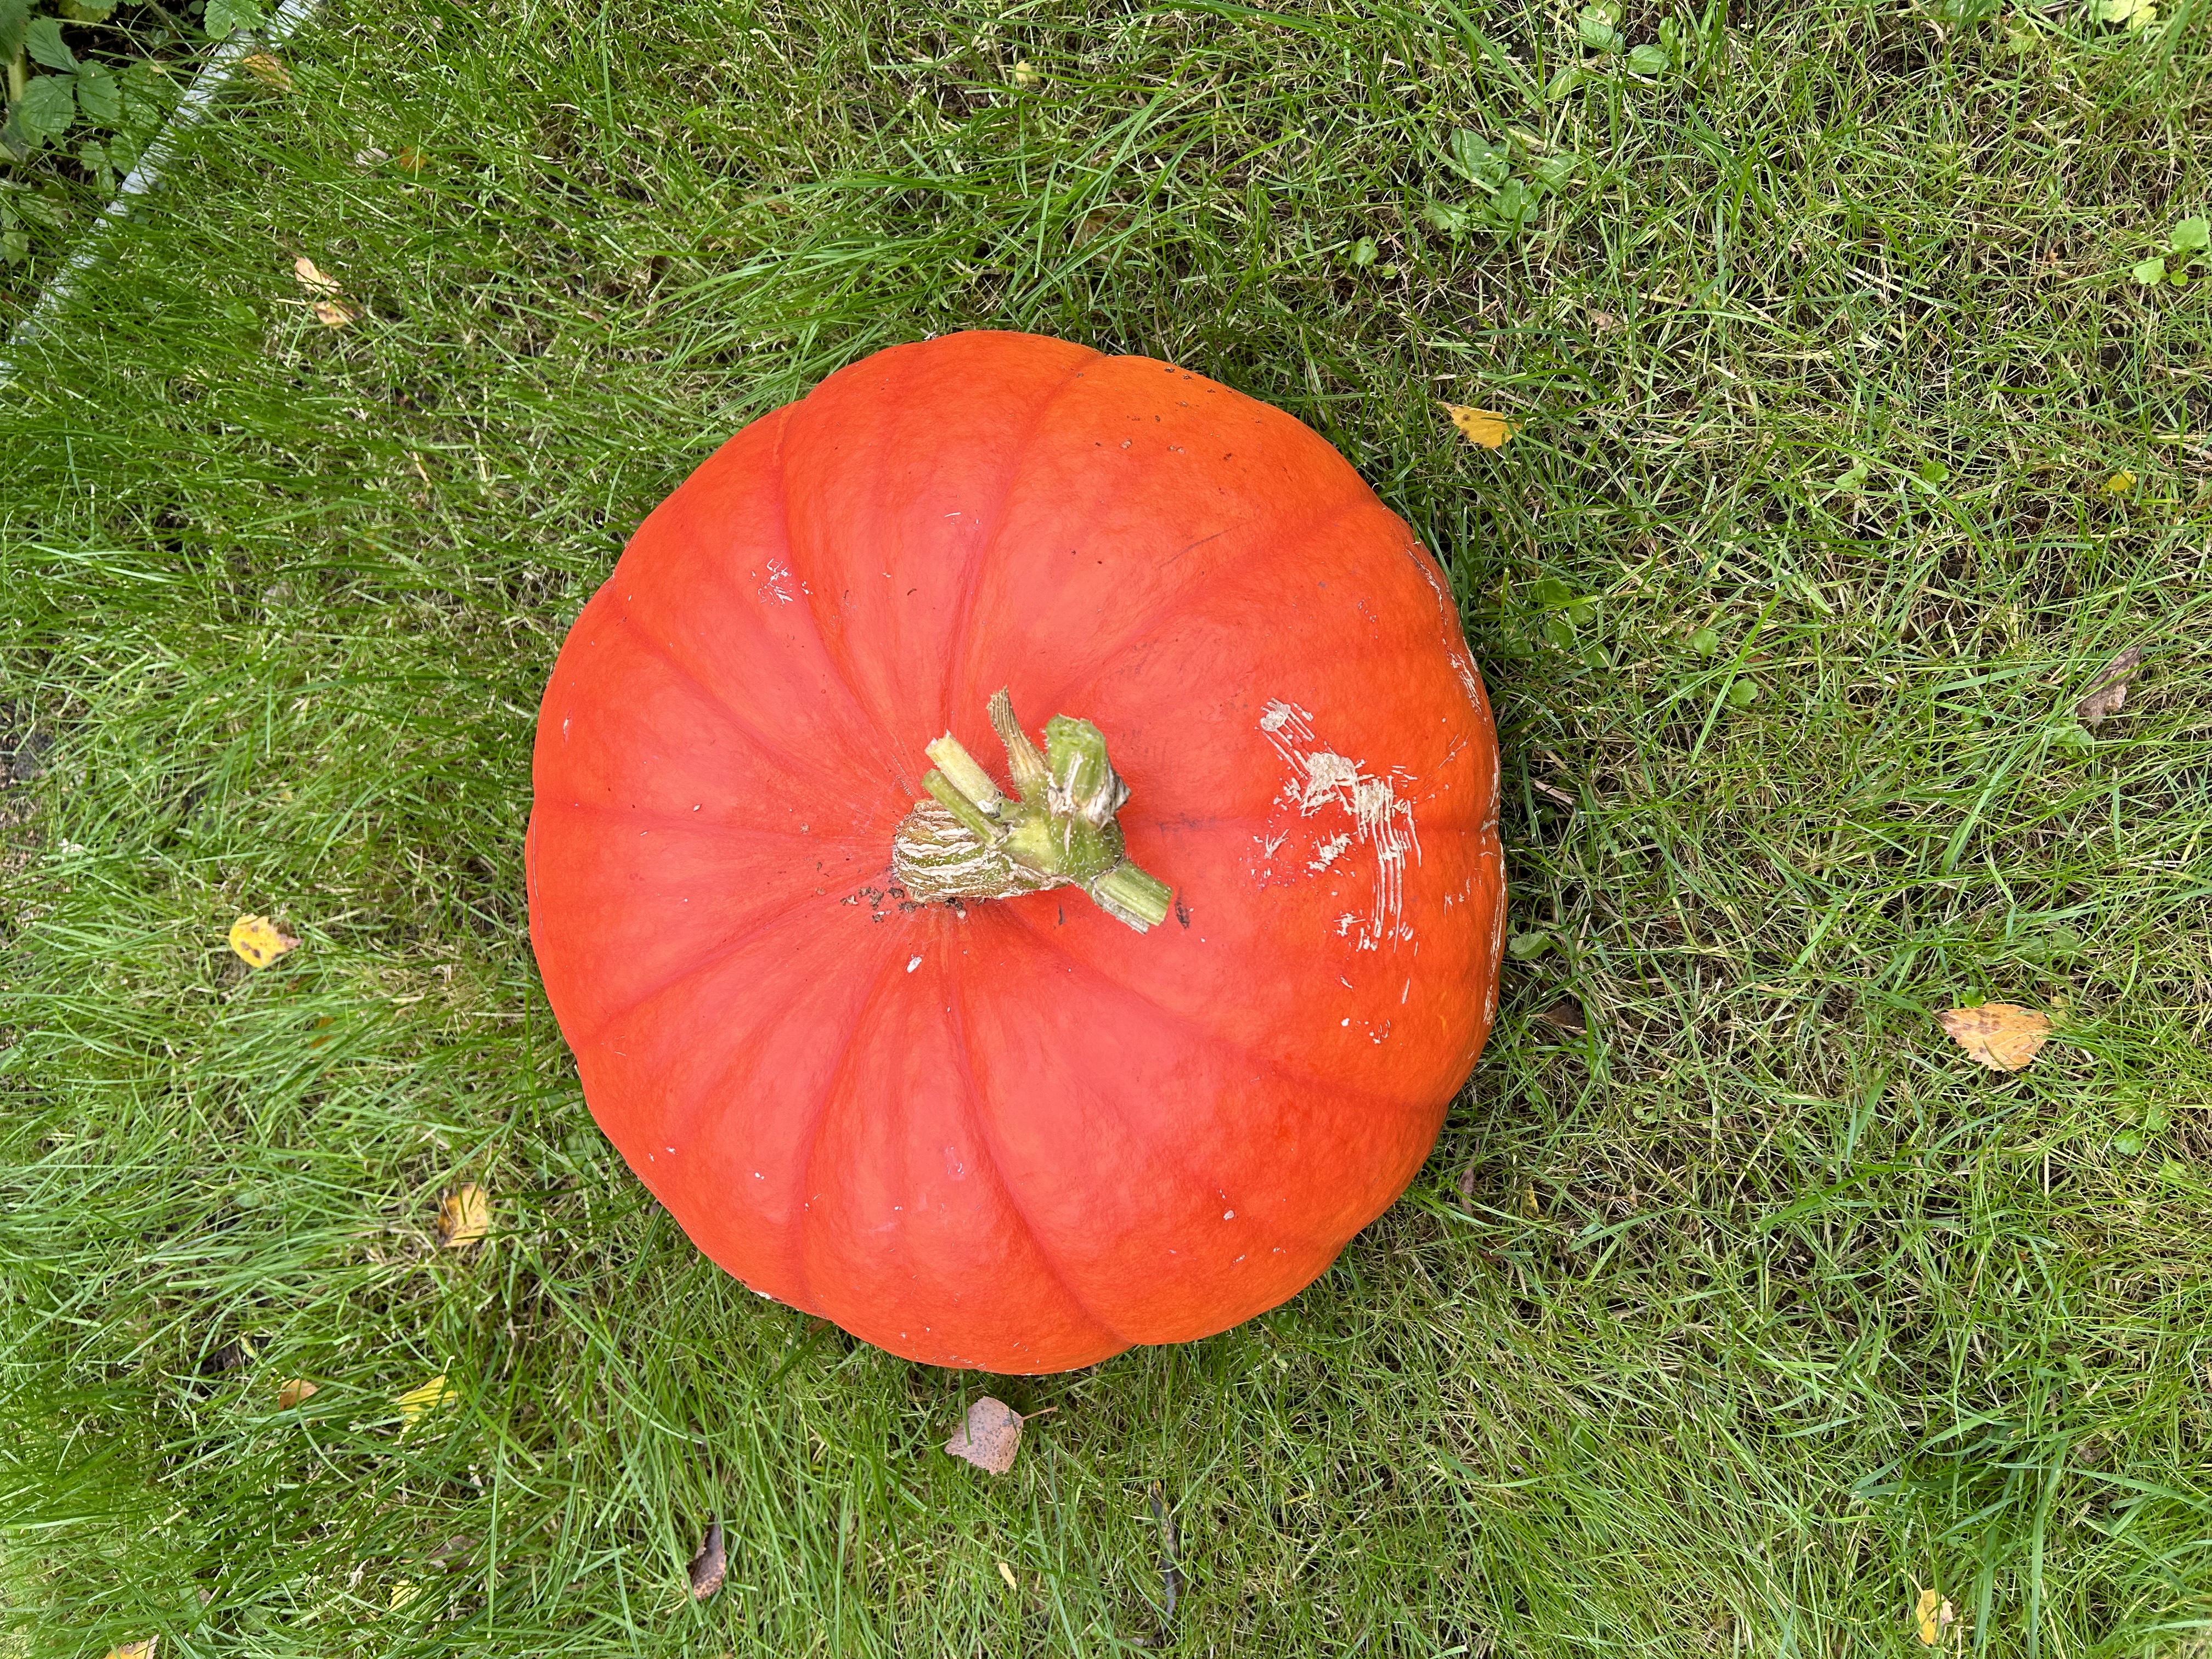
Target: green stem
{"x": 1057, "y": 830}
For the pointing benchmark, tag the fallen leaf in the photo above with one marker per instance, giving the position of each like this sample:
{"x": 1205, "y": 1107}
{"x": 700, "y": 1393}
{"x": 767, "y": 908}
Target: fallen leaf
{"x": 1171, "y": 1573}
{"x": 1527, "y": 947}
{"x": 1007, "y": 1573}
{"x": 710, "y": 1566}
{"x": 2120, "y": 482}
{"x": 464, "y": 1216}
{"x": 311, "y": 279}
{"x": 1025, "y": 74}
{"x": 143, "y": 1648}
{"x": 2135, "y": 14}
{"x": 269, "y": 70}
{"x": 2002, "y": 1035}
{"x": 1529, "y": 1207}
{"x": 1567, "y": 1014}
{"x": 409, "y": 160}
{"x": 259, "y": 940}
{"x": 239, "y": 1351}
{"x": 2110, "y": 695}
{"x": 990, "y": 1436}
{"x": 293, "y": 1393}
{"x": 1468, "y": 1184}
{"x": 417, "y": 1402}
{"x": 1486, "y": 427}
{"x": 1931, "y": 1615}
{"x": 334, "y": 313}
{"x": 455, "y": 1548}
{"x": 402, "y": 1593}
{"x": 1604, "y": 321}
{"x": 368, "y": 155}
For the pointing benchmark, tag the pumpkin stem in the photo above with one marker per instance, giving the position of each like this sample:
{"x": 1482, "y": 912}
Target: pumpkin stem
{"x": 970, "y": 841}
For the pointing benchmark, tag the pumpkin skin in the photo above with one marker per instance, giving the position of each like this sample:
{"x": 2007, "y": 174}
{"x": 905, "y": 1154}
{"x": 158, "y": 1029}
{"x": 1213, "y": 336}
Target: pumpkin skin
{"x": 1017, "y": 1135}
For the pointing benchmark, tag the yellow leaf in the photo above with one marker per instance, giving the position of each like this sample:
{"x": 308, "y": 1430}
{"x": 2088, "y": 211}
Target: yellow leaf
{"x": 402, "y": 1593}
{"x": 311, "y": 279}
{"x": 1025, "y": 75}
{"x": 259, "y": 940}
{"x": 409, "y": 160}
{"x": 417, "y": 1402}
{"x": 2120, "y": 482}
{"x": 1486, "y": 427}
{"x": 141, "y": 1648}
{"x": 293, "y": 1393}
{"x": 2002, "y": 1035}
{"x": 268, "y": 71}
{"x": 1007, "y": 1573}
{"x": 464, "y": 1216}
{"x": 1931, "y": 1615}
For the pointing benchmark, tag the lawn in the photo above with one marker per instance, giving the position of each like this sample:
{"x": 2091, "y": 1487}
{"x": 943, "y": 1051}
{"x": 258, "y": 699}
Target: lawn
{"x": 1737, "y": 1307}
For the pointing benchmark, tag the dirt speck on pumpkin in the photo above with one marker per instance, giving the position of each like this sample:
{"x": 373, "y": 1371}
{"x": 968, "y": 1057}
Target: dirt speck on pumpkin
{"x": 990, "y": 1436}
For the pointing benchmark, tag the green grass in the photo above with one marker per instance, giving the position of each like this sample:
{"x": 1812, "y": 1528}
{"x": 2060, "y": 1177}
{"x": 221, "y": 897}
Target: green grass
{"x": 1734, "y": 1306}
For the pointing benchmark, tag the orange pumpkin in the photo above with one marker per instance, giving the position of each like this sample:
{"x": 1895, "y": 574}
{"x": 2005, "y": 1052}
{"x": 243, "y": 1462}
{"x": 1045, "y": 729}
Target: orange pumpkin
{"x": 1001, "y": 1053}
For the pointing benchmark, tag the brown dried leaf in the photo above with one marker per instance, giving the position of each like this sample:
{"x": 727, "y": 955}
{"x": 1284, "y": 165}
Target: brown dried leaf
{"x": 1566, "y": 1014}
{"x": 294, "y": 1393}
{"x": 2110, "y": 695}
{"x": 334, "y": 313}
{"x": 311, "y": 279}
{"x": 1931, "y": 1615}
{"x": 269, "y": 71}
{"x": 2002, "y": 1035}
{"x": 1486, "y": 427}
{"x": 990, "y": 1436}
{"x": 409, "y": 160}
{"x": 710, "y": 1566}
{"x": 464, "y": 1216}
{"x": 259, "y": 940}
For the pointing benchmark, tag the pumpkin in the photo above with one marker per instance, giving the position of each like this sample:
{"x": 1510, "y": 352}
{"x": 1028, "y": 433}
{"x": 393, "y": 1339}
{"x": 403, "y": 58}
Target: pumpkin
{"x": 1004, "y": 1053}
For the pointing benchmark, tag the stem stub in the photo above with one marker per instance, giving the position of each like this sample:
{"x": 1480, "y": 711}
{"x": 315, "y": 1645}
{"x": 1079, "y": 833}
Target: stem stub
{"x": 970, "y": 841}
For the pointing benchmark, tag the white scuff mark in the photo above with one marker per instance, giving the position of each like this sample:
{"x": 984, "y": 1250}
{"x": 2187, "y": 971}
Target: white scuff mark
{"x": 1320, "y": 782}
{"x": 1455, "y": 639}
{"x": 913, "y": 962}
{"x": 782, "y": 585}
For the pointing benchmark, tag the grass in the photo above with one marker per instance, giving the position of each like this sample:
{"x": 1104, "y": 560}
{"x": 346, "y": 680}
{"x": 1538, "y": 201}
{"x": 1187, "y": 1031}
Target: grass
{"x": 1735, "y": 1306}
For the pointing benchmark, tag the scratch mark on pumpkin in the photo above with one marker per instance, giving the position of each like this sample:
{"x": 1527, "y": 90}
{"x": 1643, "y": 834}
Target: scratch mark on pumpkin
{"x": 1318, "y": 780}
{"x": 780, "y": 584}
{"x": 1455, "y": 640}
